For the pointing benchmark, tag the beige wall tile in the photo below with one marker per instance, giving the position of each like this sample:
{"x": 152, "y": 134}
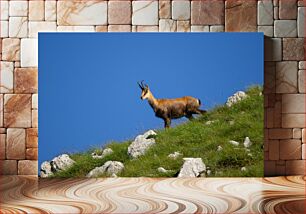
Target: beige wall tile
{"x": 6, "y": 77}
{"x": 36, "y": 10}
{"x": 18, "y": 8}
{"x": 119, "y": 12}
{"x": 17, "y": 110}
{"x": 145, "y": 13}
{"x": 27, "y": 167}
{"x": 81, "y": 12}
{"x": 290, "y": 149}
{"x": 15, "y": 143}
{"x": 8, "y": 167}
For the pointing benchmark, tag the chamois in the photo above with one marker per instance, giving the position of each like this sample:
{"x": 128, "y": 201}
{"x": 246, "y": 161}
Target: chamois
{"x": 168, "y": 109}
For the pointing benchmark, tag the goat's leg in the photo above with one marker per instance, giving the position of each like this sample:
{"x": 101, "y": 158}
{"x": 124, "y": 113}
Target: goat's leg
{"x": 167, "y": 123}
{"x": 189, "y": 116}
{"x": 200, "y": 111}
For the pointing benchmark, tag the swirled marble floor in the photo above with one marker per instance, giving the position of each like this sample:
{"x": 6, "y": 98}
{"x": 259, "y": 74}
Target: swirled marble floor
{"x": 25, "y": 194}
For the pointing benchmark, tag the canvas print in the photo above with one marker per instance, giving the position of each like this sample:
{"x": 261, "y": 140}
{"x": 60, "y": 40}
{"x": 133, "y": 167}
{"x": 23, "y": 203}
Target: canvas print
{"x": 151, "y": 105}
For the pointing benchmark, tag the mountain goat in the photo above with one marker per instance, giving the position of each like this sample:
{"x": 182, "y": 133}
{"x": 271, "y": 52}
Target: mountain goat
{"x": 168, "y": 109}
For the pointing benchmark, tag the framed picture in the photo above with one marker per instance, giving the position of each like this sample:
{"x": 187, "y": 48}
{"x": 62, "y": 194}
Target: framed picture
{"x": 153, "y": 105}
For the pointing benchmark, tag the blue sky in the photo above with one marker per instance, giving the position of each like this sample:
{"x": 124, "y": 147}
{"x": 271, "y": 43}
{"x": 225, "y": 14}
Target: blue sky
{"x": 88, "y": 93}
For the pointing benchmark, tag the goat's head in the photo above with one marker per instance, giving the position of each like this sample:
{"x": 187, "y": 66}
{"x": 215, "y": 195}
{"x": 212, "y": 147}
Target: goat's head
{"x": 144, "y": 90}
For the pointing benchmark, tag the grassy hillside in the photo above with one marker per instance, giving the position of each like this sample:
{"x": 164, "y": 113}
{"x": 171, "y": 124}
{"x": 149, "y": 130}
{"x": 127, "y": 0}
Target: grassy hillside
{"x": 195, "y": 139}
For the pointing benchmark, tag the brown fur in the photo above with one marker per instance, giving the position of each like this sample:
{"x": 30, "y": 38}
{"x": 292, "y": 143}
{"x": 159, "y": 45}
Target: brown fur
{"x": 168, "y": 109}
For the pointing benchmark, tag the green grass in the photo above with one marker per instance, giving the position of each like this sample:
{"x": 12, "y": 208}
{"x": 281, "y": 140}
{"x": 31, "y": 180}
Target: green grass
{"x": 194, "y": 139}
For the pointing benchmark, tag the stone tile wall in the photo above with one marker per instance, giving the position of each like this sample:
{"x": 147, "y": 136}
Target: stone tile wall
{"x": 282, "y": 22}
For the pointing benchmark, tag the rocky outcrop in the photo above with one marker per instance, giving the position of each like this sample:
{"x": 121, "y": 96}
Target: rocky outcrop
{"x": 105, "y": 152}
{"x": 45, "y": 169}
{"x": 141, "y": 144}
{"x": 192, "y": 167}
{"x": 110, "y": 168}
{"x": 239, "y": 95}
{"x": 61, "y": 162}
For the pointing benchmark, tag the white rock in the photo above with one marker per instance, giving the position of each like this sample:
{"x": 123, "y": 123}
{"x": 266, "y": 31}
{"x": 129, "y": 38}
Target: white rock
{"x": 61, "y": 162}
{"x": 192, "y": 167}
{"x": 4, "y": 8}
{"x": 105, "y": 152}
{"x": 208, "y": 122}
{"x": 174, "y": 155}
{"x": 247, "y": 143}
{"x": 162, "y": 170}
{"x": 95, "y": 156}
{"x": 235, "y": 143}
{"x": 29, "y": 52}
{"x": 111, "y": 168}
{"x": 219, "y": 148}
{"x": 180, "y": 10}
{"x": 243, "y": 169}
{"x": 6, "y": 77}
{"x": 18, "y": 27}
{"x": 239, "y": 95}
{"x": 149, "y": 133}
{"x": 4, "y": 29}
{"x": 145, "y": 13}
{"x": 141, "y": 144}
{"x": 18, "y": 8}
{"x": 82, "y": 12}
{"x": 45, "y": 169}
{"x": 36, "y": 26}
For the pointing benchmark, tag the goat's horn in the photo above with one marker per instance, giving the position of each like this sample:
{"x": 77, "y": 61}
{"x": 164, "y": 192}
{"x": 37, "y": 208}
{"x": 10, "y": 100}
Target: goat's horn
{"x": 140, "y": 86}
{"x": 142, "y": 83}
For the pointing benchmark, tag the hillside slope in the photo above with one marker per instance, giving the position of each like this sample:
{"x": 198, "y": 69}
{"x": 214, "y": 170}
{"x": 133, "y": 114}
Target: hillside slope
{"x": 197, "y": 138}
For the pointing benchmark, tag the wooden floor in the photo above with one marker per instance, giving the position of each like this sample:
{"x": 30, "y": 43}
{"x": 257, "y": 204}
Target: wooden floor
{"x": 139, "y": 195}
